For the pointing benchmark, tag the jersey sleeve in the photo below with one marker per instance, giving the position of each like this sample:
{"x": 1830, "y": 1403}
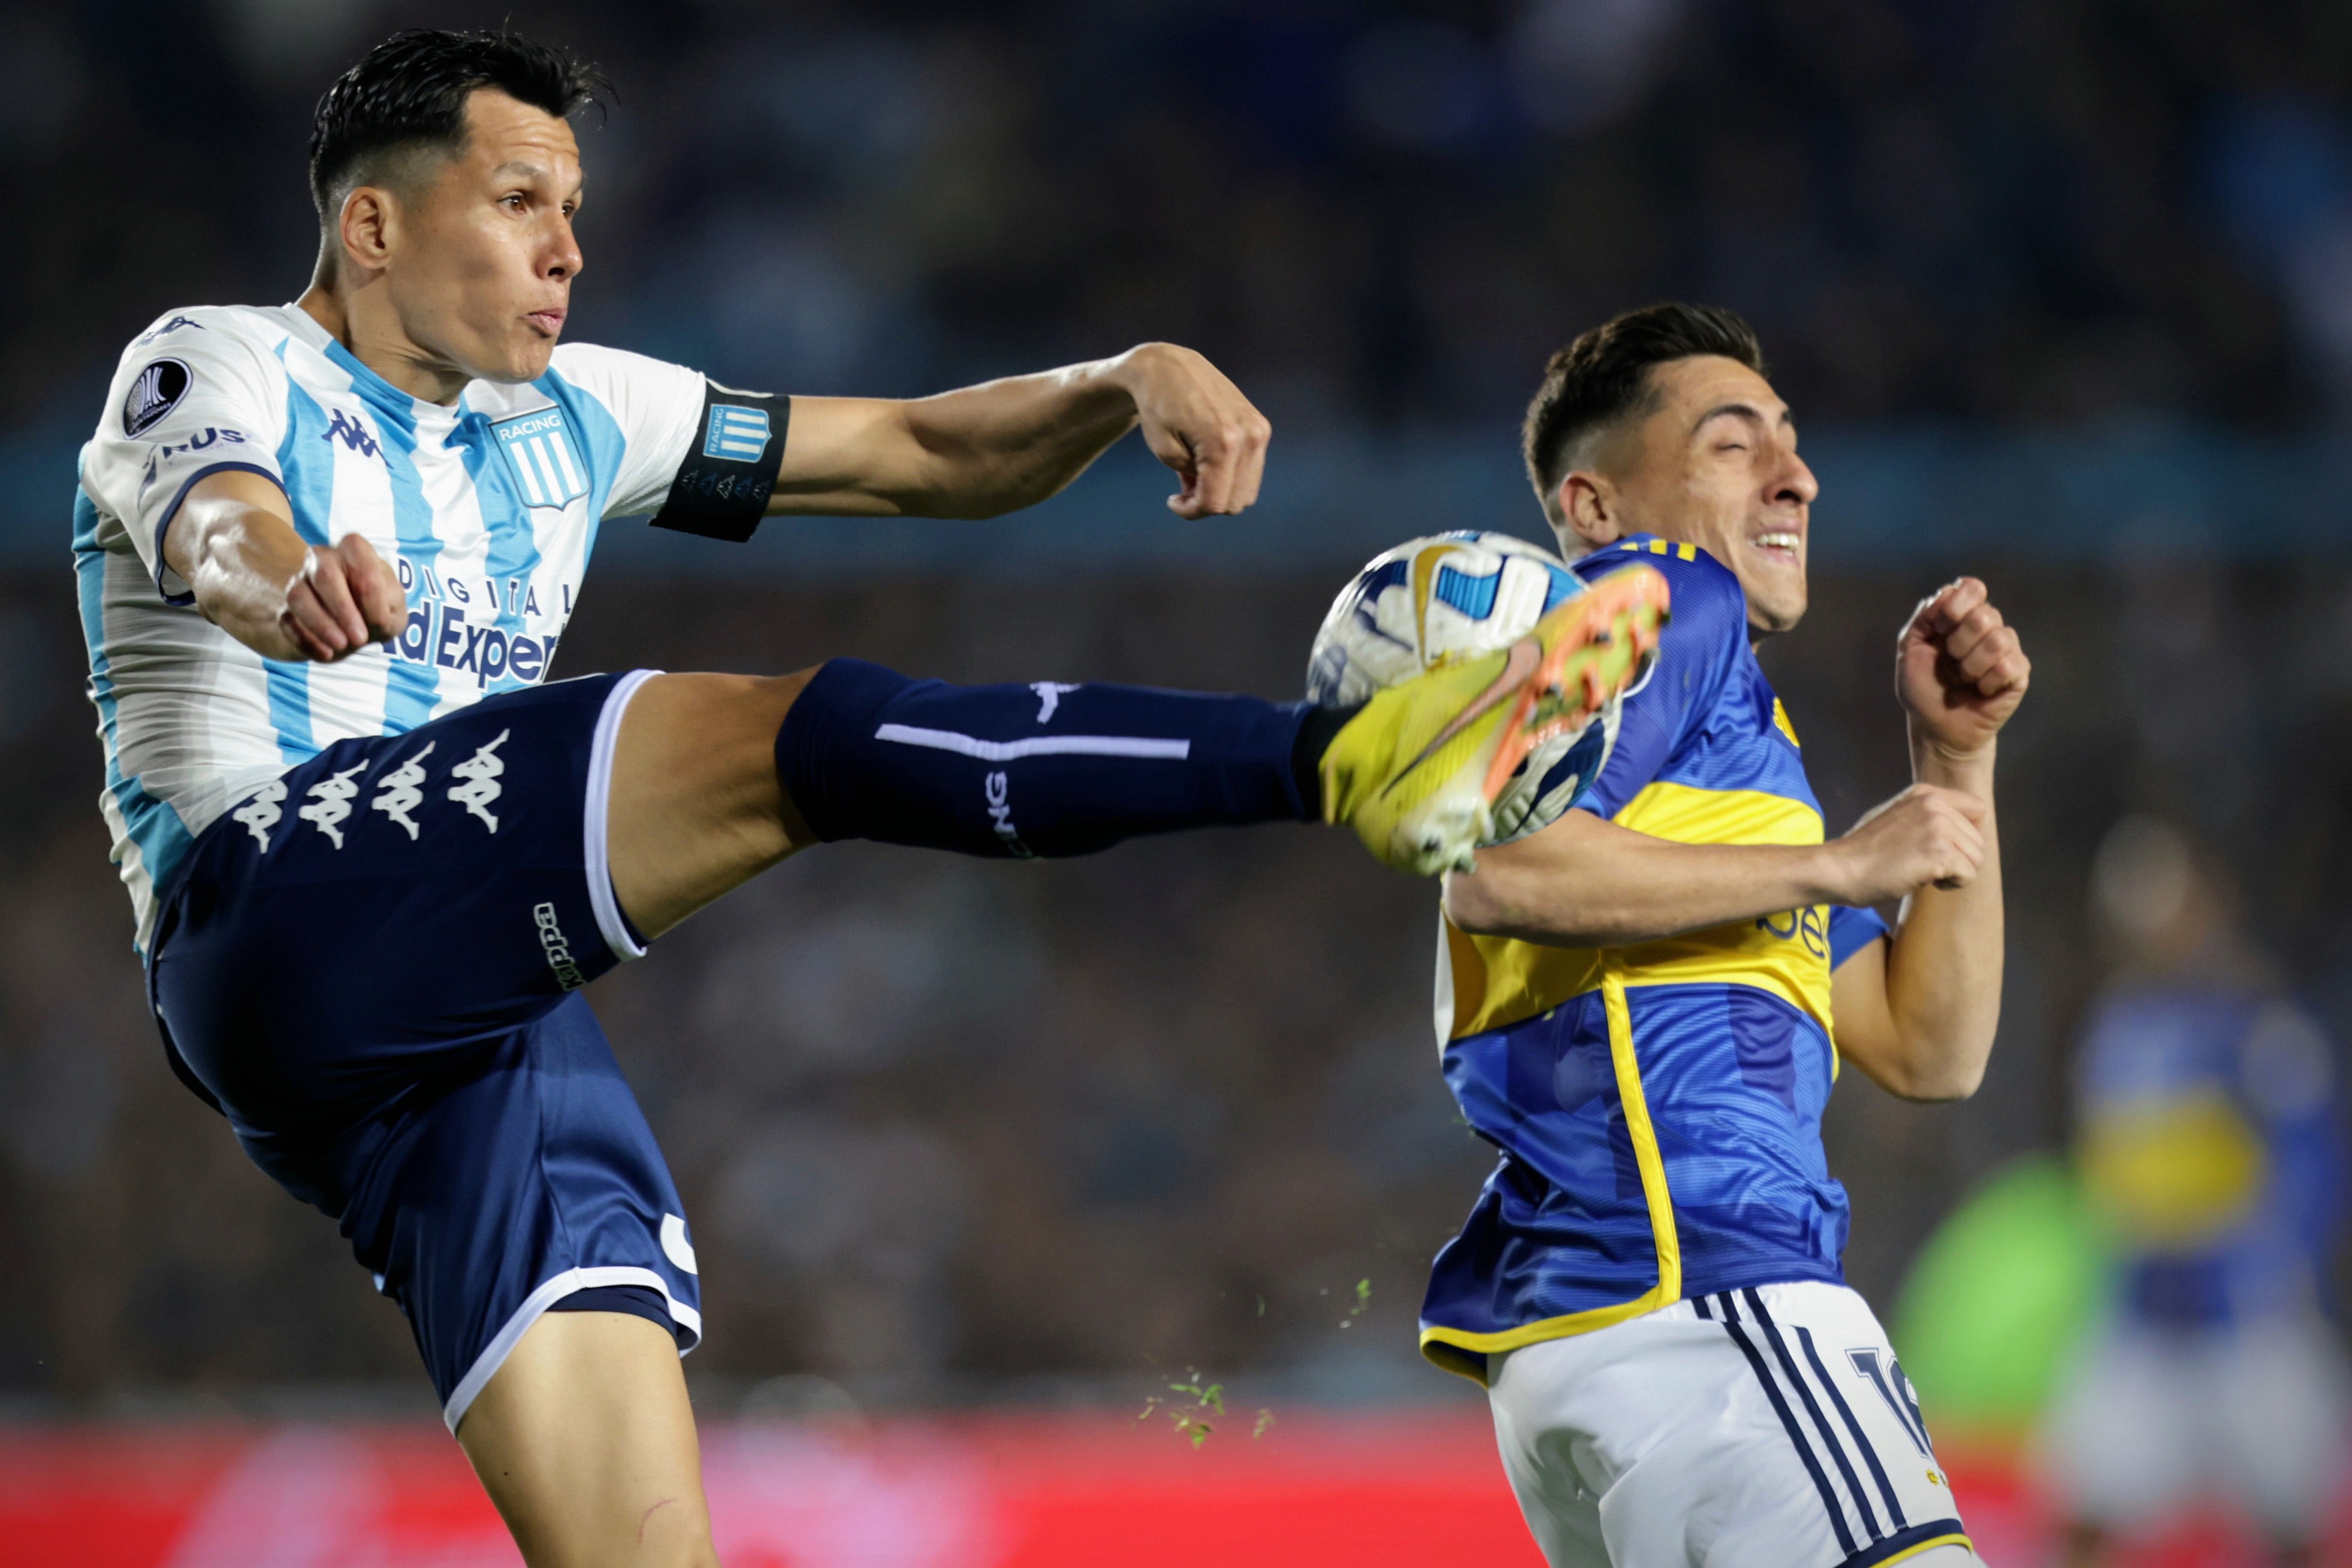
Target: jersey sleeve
{"x": 200, "y": 392}
{"x": 1701, "y": 644}
{"x": 1852, "y": 930}
{"x": 657, "y": 407}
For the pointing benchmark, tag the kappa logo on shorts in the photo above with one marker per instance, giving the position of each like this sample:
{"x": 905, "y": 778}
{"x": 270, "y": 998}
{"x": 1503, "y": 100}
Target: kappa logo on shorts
{"x": 400, "y": 794}
{"x": 261, "y": 813}
{"x": 331, "y": 802}
{"x": 559, "y": 951}
{"x": 481, "y": 786}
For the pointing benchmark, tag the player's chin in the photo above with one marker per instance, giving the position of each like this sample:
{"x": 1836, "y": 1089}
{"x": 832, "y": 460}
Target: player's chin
{"x": 523, "y": 357}
{"x": 1777, "y": 597}
{"x": 532, "y": 358}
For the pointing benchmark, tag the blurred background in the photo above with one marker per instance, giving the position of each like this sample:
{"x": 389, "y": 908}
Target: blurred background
{"x": 979, "y": 1156}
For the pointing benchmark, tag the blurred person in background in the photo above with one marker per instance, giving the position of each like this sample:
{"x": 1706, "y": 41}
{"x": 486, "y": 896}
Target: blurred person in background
{"x": 2211, "y": 1148}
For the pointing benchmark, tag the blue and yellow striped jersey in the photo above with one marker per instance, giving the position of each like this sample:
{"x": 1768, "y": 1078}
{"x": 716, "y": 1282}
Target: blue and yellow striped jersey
{"x": 1658, "y": 1107}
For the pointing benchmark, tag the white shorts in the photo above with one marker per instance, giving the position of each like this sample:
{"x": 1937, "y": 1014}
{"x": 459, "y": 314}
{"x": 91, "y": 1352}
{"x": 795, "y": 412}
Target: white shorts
{"x": 1761, "y": 1428}
{"x": 2149, "y": 1421}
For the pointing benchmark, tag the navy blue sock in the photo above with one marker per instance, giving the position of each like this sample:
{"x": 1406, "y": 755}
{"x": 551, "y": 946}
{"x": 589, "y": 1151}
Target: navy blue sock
{"x": 1033, "y": 770}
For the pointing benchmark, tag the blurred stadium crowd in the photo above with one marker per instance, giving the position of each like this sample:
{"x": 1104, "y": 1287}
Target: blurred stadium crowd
{"x": 2007, "y": 211}
{"x": 951, "y": 1129}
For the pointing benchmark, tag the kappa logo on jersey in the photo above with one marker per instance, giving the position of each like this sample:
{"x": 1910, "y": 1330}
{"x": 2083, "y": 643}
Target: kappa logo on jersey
{"x": 481, "y": 786}
{"x": 168, "y": 327}
{"x": 154, "y": 392}
{"x": 736, "y": 434}
{"x": 400, "y": 794}
{"x": 547, "y": 469}
{"x": 352, "y": 433}
{"x": 331, "y": 802}
{"x": 261, "y": 813}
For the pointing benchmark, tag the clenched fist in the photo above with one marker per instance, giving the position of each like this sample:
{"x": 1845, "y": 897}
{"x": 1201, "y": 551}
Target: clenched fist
{"x": 1960, "y": 670}
{"x": 341, "y": 599}
{"x": 1198, "y": 423}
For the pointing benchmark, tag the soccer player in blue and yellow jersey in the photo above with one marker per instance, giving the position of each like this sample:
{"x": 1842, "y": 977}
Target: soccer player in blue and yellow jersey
{"x": 1645, "y": 1004}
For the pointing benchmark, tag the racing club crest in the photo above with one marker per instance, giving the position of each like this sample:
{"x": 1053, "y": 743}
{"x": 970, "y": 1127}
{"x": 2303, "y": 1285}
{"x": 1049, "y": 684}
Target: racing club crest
{"x": 546, "y": 467}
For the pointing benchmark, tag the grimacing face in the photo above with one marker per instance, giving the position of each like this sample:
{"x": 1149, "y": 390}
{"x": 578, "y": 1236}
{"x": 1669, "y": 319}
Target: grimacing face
{"x": 480, "y": 259}
{"x": 1714, "y": 464}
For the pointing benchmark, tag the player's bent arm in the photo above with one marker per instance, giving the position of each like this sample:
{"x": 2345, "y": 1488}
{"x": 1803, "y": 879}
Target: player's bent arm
{"x": 233, "y": 540}
{"x": 985, "y": 450}
{"x": 1584, "y": 883}
{"x": 1917, "y": 1013}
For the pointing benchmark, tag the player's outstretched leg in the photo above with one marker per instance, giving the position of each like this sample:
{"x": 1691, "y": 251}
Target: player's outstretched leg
{"x": 716, "y": 777}
{"x": 586, "y": 1442}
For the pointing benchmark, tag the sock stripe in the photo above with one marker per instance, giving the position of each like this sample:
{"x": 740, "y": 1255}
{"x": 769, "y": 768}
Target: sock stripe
{"x": 1043, "y": 745}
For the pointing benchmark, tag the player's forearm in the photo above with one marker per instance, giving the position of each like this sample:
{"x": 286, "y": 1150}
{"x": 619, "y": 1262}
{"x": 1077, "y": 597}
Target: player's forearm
{"x": 1944, "y": 963}
{"x": 977, "y": 452}
{"x": 1584, "y": 883}
{"x": 239, "y": 560}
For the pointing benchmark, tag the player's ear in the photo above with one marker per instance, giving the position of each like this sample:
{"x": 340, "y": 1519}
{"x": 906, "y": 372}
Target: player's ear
{"x": 368, "y": 226}
{"x": 1588, "y": 507}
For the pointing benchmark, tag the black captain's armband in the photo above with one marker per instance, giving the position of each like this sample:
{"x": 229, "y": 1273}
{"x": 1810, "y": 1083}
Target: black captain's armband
{"x": 721, "y": 490}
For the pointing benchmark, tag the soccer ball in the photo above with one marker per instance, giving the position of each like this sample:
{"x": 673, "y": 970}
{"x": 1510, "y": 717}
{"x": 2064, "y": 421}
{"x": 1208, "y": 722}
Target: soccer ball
{"x": 1448, "y": 597}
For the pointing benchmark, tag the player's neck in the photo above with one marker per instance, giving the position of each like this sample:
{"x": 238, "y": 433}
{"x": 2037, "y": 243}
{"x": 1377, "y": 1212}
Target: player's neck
{"x": 375, "y": 339}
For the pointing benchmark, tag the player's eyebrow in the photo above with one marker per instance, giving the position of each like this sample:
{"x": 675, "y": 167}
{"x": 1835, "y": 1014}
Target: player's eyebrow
{"x": 516, "y": 167}
{"x": 1747, "y": 411}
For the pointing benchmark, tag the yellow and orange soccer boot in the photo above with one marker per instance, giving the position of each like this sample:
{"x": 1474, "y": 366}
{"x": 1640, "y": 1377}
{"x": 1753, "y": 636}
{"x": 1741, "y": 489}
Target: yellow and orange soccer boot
{"x": 1416, "y": 772}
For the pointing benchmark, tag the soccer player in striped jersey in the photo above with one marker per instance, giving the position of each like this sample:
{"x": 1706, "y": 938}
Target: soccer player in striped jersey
{"x": 1644, "y": 1006}
{"x": 326, "y": 553}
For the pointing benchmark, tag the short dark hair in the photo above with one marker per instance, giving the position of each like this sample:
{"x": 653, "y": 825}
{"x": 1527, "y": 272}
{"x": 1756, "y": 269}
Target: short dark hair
{"x": 1604, "y": 376}
{"x": 409, "y": 95}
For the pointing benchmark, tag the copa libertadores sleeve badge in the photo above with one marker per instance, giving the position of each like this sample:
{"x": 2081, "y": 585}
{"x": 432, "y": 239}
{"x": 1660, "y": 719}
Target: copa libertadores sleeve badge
{"x": 721, "y": 489}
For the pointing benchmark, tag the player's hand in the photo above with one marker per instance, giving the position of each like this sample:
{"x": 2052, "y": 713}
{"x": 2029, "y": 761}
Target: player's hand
{"x": 1924, "y": 835}
{"x": 1960, "y": 671}
{"x": 342, "y": 599}
{"x": 1199, "y": 423}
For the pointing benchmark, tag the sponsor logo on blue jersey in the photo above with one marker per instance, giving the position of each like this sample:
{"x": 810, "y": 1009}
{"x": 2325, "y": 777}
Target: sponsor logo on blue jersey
{"x": 546, "y": 467}
{"x": 736, "y": 434}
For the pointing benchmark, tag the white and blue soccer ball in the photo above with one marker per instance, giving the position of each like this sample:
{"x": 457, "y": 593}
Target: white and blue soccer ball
{"x": 1436, "y": 601}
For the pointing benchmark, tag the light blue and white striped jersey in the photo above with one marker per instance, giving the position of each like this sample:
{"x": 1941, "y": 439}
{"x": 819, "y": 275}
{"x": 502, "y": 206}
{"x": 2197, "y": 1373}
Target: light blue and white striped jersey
{"x": 489, "y": 510}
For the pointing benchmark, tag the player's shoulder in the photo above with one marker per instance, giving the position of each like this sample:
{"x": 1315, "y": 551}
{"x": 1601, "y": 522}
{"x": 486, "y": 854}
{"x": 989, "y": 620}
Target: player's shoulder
{"x": 210, "y": 329}
{"x": 223, "y": 358}
{"x": 598, "y": 365}
{"x": 1709, "y": 605}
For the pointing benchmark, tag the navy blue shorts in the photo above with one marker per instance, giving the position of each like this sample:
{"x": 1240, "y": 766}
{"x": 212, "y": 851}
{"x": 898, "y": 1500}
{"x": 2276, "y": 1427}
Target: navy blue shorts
{"x": 370, "y": 965}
